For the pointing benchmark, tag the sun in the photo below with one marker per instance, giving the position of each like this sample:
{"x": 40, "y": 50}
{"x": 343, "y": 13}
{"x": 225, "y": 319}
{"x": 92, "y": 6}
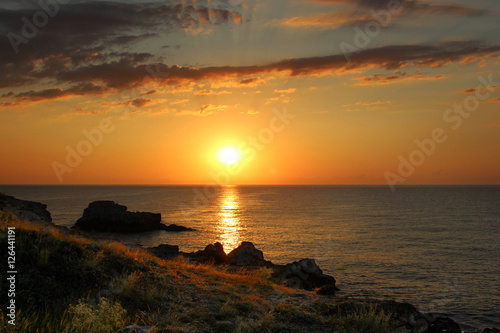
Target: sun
{"x": 229, "y": 155}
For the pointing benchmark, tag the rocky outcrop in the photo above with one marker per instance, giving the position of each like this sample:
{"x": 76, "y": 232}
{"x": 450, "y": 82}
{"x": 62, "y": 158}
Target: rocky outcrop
{"x": 28, "y": 210}
{"x": 246, "y": 255}
{"x": 305, "y": 274}
{"x": 490, "y": 330}
{"x": 213, "y": 253}
{"x": 442, "y": 324}
{"x": 109, "y": 216}
{"x": 165, "y": 251}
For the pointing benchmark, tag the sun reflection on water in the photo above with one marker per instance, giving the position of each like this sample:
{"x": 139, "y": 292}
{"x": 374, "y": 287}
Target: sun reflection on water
{"x": 229, "y": 223}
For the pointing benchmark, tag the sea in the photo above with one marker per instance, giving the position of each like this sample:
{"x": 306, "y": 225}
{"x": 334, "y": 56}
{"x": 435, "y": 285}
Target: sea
{"x": 437, "y": 247}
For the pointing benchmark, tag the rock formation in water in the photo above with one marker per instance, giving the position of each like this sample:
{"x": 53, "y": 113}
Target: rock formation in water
{"x": 306, "y": 274}
{"x": 303, "y": 274}
{"x": 109, "y": 216}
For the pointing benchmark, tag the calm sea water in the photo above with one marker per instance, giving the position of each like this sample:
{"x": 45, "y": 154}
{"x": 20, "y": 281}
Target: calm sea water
{"x": 434, "y": 246}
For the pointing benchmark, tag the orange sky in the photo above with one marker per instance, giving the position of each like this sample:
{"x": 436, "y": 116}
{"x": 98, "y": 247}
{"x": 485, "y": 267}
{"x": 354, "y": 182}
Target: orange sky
{"x": 149, "y": 93}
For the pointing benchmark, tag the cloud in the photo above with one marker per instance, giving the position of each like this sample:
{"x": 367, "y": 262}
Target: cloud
{"x": 359, "y": 12}
{"x": 333, "y": 19}
{"x": 205, "y": 110}
{"x": 252, "y": 111}
{"x": 125, "y": 74}
{"x": 207, "y": 92}
{"x": 83, "y": 89}
{"x": 129, "y": 73}
{"x": 286, "y": 91}
{"x": 416, "y": 6}
{"x": 138, "y": 102}
{"x": 373, "y": 103}
{"x": 249, "y": 81}
{"x": 393, "y": 78}
{"x": 91, "y": 32}
{"x": 179, "y": 101}
{"x": 474, "y": 90}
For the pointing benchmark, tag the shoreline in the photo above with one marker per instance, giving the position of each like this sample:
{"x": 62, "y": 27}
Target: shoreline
{"x": 71, "y": 232}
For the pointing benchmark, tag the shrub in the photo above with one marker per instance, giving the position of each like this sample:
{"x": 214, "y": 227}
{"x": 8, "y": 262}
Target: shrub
{"x": 104, "y": 317}
{"x": 365, "y": 318}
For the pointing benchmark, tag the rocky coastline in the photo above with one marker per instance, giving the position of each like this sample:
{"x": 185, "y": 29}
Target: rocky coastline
{"x": 304, "y": 274}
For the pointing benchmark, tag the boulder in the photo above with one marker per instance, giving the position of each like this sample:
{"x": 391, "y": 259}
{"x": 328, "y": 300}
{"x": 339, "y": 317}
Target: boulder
{"x": 24, "y": 209}
{"x": 109, "y": 216}
{"x": 444, "y": 325}
{"x": 213, "y": 253}
{"x": 165, "y": 251}
{"x": 490, "y": 330}
{"x": 246, "y": 255}
{"x": 305, "y": 274}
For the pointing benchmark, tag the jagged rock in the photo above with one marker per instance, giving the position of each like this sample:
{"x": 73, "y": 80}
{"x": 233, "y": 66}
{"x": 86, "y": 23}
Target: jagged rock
{"x": 165, "y": 250}
{"x": 212, "y": 253}
{"x": 135, "y": 329}
{"x": 490, "y": 330}
{"x": 305, "y": 274}
{"x": 29, "y": 210}
{"x": 109, "y": 216}
{"x": 175, "y": 227}
{"x": 246, "y": 255}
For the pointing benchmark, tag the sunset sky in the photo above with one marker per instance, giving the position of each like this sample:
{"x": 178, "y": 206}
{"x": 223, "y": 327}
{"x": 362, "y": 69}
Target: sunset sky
{"x": 306, "y": 91}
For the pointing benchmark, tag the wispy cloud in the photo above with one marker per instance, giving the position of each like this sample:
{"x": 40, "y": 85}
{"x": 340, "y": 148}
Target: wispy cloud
{"x": 373, "y": 103}
{"x": 358, "y": 12}
{"x": 100, "y": 76}
{"x": 398, "y": 76}
{"x": 474, "y": 90}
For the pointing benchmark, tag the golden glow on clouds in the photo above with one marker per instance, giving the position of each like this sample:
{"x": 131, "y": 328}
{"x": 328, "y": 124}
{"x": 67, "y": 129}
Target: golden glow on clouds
{"x": 184, "y": 104}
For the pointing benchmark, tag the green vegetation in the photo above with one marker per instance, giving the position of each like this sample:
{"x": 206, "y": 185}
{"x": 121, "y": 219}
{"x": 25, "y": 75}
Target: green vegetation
{"x": 69, "y": 283}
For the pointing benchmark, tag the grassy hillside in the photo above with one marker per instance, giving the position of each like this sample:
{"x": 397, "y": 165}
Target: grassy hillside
{"x": 68, "y": 283}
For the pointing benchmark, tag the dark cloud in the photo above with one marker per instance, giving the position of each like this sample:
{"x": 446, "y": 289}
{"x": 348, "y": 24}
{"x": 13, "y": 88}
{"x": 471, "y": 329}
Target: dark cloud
{"x": 360, "y": 12}
{"x": 474, "y": 90}
{"x": 419, "y": 6}
{"x": 94, "y": 32}
{"x": 126, "y": 73}
{"x": 138, "y": 102}
{"x": 397, "y": 76}
{"x": 249, "y": 80}
{"x": 56, "y": 93}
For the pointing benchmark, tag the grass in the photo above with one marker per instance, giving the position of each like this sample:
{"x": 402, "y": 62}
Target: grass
{"x": 68, "y": 283}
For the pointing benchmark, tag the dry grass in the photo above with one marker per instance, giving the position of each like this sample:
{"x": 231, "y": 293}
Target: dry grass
{"x": 173, "y": 295}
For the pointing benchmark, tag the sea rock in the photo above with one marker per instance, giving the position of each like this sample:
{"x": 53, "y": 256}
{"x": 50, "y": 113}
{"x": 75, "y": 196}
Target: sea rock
{"x": 212, "y": 253}
{"x": 305, "y": 274}
{"x": 29, "y": 210}
{"x": 490, "y": 330}
{"x": 109, "y": 216}
{"x": 246, "y": 255}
